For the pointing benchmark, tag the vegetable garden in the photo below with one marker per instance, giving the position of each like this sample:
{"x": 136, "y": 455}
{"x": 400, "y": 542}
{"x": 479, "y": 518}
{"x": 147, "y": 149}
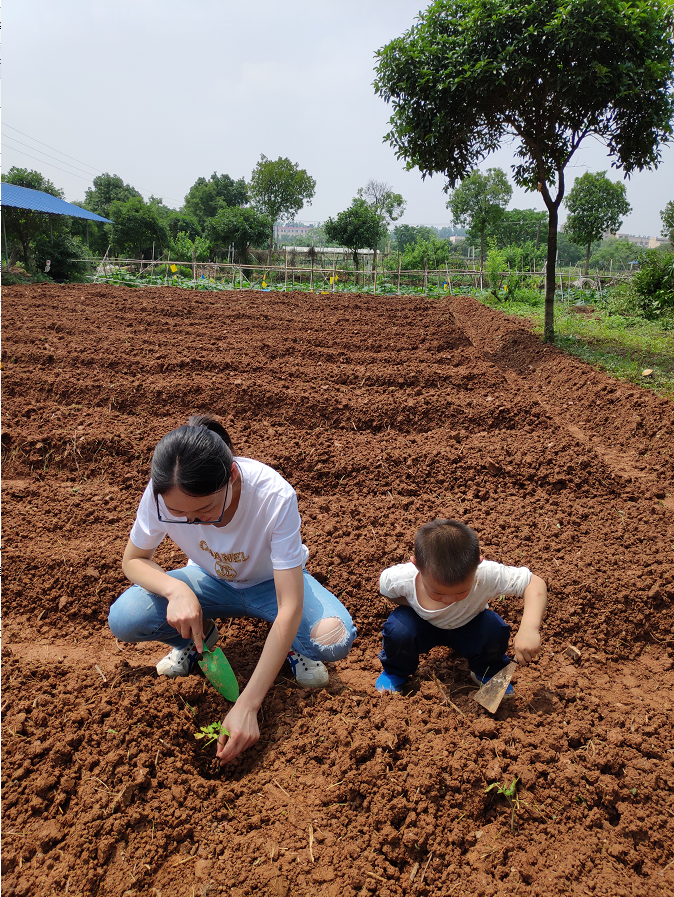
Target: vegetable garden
{"x": 383, "y": 412}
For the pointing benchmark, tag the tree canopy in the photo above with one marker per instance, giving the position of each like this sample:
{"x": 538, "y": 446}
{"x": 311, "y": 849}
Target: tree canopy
{"x": 472, "y": 73}
{"x": 206, "y": 197}
{"x": 280, "y": 188}
{"x": 241, "y": 227}
{"x": 357, "y": 227}
{"x": 108, "y": 188}
{"x": 479, "y": 202}
{"x": 136, "y": 227}
{"x": 596, "y": 205}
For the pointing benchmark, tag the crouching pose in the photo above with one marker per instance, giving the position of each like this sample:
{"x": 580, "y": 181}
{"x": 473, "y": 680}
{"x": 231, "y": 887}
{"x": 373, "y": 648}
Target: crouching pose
{"x": 238, "y": 522}
{"x": 443, "y": 595}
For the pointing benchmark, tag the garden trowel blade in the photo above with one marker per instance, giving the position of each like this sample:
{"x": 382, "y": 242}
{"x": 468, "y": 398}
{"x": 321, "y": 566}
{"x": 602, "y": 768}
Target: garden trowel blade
{"x": 219, "y": 673}
{"x": 491, "y": 693}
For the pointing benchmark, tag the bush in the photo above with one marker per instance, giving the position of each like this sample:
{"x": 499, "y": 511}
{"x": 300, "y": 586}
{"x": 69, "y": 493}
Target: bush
{"x": 653, "y": 284}
{"x": 63, "y": 252}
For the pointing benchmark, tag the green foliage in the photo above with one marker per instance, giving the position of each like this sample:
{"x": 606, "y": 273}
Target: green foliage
{"x": 33, "y": 180}
{"x": 518, "y": 226}
{"x": 667, "y": 215}
{"x": 569, "y": 253}
{"x": 653, "y": 284}
{"x": 136, "y": 226}
{"x": 479, "y": 202}
{"x": 430, "y": 253}
{"x": 405, "y": 235}
{"x": 211, "y": 732}
{"x": 64, "y": 253}
{"x": 596, "y": 205}
{"x": 280, "y": 189}
{"x": 614, "y": 255}
{"x": 510, "y": 794}
{"x": 184, "y": 249}
{"x": 357, "y": 227}
{"x": 242, "y": 227}
{"x": 108, "y": 188}
{"x": 472, "y": 73}
{"x": 206, "y": 197}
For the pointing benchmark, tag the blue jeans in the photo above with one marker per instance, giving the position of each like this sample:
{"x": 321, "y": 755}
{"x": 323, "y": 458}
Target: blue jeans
{"x": 483, "y": 641}
{"x": 140, "y": 616}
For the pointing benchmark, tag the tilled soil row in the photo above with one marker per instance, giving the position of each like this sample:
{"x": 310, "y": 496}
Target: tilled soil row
{"x": 383, "y": 413}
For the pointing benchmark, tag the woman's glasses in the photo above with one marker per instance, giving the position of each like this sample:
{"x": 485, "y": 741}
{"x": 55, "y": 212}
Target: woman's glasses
{"x": 185, "y": 521}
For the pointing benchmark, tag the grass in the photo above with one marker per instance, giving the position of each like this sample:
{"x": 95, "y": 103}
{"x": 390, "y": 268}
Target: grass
{"x": 623, "y": 345}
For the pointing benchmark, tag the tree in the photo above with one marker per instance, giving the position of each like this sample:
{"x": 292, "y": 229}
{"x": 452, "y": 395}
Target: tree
{"x": 206, "y": 197}
{"x": 667, "y": 215}
{"x": 108, "y": 188}
{"x": 613, "y": 255}
{"x": 387, "y": 204}
{"x": 242, "y": 227}
{"x": 136, "y": 227}
{"x": 280, "y": 189}
{"x": 519, "y": 226}
{"x": 405, "y": 235}
{"x": 473, "y": 73}
{"x": 596, "y": 206}
{"x": 479, "y": 202}
{"x": 22, "y": 226}
{"x": 358, "y": 227}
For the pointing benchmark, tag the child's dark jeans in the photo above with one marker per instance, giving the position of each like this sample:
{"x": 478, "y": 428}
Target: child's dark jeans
{"x": 483, "y": 642}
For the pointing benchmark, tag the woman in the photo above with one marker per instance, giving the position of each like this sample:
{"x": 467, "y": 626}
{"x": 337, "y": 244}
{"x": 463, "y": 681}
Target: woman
{"x": 238, "y": 523}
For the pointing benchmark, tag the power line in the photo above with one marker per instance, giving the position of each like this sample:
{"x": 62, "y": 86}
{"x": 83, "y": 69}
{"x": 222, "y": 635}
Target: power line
{"x": 35, "y": 140}
{"x": 8, "y": 137}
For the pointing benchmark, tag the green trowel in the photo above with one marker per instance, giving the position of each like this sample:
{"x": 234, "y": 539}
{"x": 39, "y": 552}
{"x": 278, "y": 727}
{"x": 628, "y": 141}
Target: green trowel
{"x": 219, "y": 673}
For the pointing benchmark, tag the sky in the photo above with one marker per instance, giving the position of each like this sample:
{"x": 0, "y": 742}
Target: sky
{"x": 162, "y": 92}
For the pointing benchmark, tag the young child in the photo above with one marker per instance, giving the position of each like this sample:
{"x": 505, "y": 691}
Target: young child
{"x": 443, "y": 596}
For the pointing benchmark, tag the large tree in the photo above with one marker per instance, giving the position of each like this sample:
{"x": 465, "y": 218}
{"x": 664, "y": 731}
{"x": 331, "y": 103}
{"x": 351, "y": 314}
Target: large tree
{"x": 386, "y": 203}
{"x": 357, "y": 227}
{"x": 280, "y": 188}
{"x": 241, "y": 227}
{"x": 473, "y": 73}
{"x": 137, "y": 227}
{"x": 479, "y": 202}
{"x": 108, "y": 188}
{"x": 23, "y": 226}
{"x": 596, "y": 206}
{"x": 207, "y": 197}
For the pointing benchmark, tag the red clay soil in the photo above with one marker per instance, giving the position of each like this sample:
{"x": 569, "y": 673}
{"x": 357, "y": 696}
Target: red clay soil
{"x": 383, "y": 413}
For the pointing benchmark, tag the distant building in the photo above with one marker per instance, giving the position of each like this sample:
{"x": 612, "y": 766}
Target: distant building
{"x": 457, "y": 238}
{"x": 284, "y": 231}
{"x": 643, "y": 242}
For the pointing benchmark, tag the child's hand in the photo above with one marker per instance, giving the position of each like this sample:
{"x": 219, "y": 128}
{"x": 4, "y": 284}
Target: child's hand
{"x": 527, "y": 644}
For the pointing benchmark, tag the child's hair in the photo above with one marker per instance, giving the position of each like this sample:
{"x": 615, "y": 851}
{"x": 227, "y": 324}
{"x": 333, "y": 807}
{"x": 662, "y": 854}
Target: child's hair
{"x": 447, "y": 550}
{"x": 196, "y": 458}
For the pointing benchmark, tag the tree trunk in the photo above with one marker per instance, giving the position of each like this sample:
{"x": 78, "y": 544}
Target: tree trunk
{"x": 549, "y": 325}
{"x": 271, "y": 243}
{"x": 587, "y": 260}
{"x": 482, "y": 250}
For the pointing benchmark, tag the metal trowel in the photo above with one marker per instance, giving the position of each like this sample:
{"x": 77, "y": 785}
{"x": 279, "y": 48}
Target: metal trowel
{"x": 219, "y": 673}
{"x": 491, "y": 693}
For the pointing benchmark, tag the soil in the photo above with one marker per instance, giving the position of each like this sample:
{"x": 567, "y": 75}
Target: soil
{"x": 383, "y": 412}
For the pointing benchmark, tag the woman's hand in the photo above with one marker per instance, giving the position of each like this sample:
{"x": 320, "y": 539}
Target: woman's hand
{"x": 241, "y": 723}
{"x": 184, "y": 613}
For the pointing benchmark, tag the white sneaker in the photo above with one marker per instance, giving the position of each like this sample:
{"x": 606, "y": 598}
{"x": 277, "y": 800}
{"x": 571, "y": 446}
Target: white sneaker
{"x": 180, "y": 661}
{"x": 308, "y": 673}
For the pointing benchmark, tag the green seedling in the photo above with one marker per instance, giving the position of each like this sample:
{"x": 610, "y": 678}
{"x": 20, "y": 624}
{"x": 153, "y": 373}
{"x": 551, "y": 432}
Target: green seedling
{"x": 211, "y": 732}
{"x": 510, "y": 794}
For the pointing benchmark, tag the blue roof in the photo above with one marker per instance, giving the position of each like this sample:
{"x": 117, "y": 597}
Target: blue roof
{"x": 37, "y": 201}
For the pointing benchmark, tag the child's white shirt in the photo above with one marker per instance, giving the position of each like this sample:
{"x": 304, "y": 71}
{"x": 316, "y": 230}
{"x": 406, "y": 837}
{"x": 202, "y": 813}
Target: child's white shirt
{"x": 491, "y": 580}
{"x": 263, "y": 536}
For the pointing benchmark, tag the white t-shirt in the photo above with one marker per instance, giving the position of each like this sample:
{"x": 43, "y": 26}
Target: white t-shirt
{"x": 491, "y": 580}
{"x": 263, "y": 536}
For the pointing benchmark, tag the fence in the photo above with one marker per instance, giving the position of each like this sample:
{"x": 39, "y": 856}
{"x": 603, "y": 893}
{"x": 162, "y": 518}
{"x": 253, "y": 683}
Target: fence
{"x": 318, "y": 278}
